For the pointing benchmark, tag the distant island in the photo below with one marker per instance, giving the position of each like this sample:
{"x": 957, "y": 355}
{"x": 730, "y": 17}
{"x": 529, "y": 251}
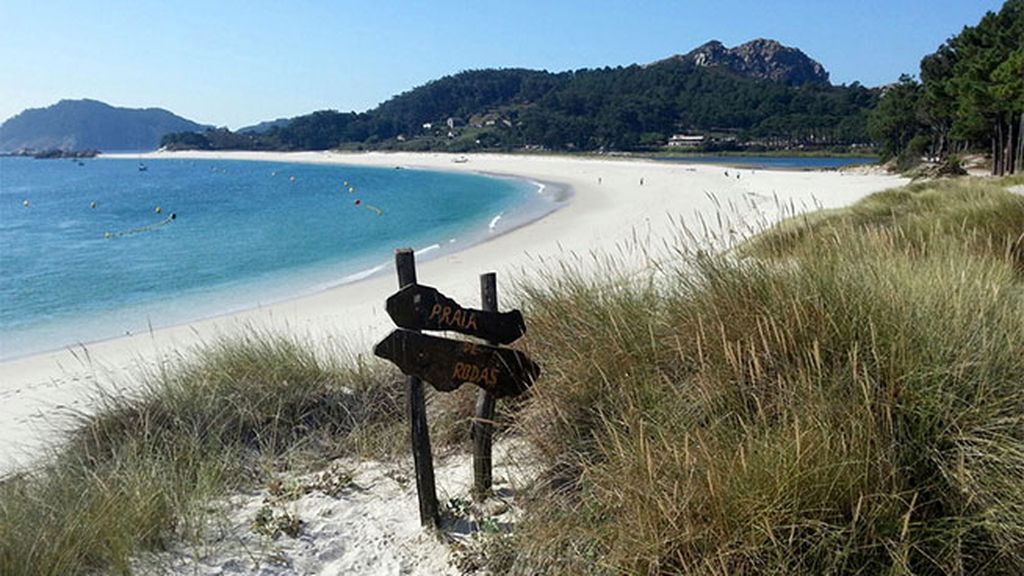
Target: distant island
{"x": 54, "y": 154}
{"x": 75, "y": 125}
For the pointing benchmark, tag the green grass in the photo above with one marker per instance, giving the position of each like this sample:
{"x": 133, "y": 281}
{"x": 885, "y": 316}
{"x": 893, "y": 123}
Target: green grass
{"x": 841, "y": 394}
{"x": 852, "y": 403}
{"x": 138, "y": 472}
{"x": 978, "y": 212}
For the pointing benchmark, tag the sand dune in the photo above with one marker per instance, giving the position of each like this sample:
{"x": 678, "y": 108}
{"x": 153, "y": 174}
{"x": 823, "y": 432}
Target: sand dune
{"x": 614, "y": 201}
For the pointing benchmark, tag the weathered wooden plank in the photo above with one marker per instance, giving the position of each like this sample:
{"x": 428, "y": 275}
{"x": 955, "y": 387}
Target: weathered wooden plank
{"x": 418, "y": 307}
{"x": 481, "y": 430}
{"x": 448, "y": 364}
{"x": 419, "y": 433}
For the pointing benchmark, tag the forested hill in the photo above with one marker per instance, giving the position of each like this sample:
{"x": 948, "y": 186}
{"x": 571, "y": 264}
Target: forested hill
{"x": 89, "y": 124}
{"x": 761, "y": 93}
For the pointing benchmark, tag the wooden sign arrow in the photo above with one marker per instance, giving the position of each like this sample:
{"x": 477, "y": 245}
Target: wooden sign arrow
{"x": 419, "y": 307}
{"x": 447, "y": 364}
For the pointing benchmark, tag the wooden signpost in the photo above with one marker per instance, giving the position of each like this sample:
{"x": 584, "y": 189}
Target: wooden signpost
{"x": 424, "y": 308}
{"x": 416, "y": 408}
{"x": 481, "y": 429}
{"x": 447, "y": 364}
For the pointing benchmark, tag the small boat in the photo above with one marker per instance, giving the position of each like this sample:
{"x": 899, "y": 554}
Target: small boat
{"x": 142, "y": 167}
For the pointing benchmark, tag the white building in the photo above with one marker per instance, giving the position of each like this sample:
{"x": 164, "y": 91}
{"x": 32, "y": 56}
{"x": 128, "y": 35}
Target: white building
{"x": 685, "y": 141}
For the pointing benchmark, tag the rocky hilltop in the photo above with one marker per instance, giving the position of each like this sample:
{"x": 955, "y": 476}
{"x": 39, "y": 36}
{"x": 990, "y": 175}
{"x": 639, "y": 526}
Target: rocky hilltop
{"x": 90, "y": 124}
{"x": 761, "y": 58}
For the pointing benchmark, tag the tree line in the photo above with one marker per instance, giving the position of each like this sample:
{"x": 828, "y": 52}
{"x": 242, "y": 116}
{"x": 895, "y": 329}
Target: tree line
{"x": 623, "y": 108}
{"x": 970, "y": 96}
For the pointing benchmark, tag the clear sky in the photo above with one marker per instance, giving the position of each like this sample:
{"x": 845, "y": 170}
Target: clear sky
{"x": 233, "y": 63}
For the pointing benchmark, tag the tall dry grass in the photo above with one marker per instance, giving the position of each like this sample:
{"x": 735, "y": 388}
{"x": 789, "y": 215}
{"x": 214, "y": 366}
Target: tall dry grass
{"x": 843, "y": 394}
{"x": 851, "y": 403}
{"x": 138, "y": 471}
{"x": 980, "y": 213}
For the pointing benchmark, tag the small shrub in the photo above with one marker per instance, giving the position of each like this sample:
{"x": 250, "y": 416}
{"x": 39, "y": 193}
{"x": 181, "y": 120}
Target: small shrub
{"x": 951, "y": 166}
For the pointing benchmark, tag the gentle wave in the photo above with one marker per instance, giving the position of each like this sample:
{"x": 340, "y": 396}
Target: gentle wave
{"x": 362, "y": 274}
{"x": 494, "y": 222}
{"x": 430, "y": 248}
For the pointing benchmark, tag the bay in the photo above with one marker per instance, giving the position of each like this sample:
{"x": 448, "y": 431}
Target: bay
{"x": 90, "y": 250}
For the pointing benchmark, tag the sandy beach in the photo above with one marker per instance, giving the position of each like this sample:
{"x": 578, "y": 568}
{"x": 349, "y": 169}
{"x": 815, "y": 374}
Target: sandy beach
{"x": 613, "y": 202}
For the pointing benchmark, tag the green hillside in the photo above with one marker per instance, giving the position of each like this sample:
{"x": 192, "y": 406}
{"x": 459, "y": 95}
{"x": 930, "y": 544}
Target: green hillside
{"x": 780, "y": 98}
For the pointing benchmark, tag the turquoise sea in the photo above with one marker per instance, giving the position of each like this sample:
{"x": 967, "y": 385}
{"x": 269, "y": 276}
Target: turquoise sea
{"x": 86, "y": 255}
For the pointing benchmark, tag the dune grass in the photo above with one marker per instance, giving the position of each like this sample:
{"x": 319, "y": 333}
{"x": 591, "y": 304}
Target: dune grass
{"x": 841, "y": 394}
{"x": 137, "y": 472}
{"x": 844, "y": 394}
{"x": 978, "y": 212}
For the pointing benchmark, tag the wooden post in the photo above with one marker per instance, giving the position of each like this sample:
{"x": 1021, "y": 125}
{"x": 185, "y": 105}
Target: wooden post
{"x": 423, "y": 460}
{"x": 482, "y": 427}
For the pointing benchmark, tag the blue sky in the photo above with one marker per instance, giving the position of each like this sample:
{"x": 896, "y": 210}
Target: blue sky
{"x": 233, "y": 63}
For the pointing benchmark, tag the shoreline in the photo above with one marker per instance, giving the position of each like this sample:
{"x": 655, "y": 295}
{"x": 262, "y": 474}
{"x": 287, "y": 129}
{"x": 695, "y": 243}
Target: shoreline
{"x": 763, "y": 162}
{"x": 614, "y": 202}
{"x": 557, "y": 197}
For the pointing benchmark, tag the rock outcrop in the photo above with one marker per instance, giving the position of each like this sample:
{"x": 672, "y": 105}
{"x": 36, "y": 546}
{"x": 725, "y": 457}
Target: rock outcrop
{"x": 761, "y": 58}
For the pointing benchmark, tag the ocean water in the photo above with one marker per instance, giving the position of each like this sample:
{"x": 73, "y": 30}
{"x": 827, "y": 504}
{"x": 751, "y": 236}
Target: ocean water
{"x": 775, "y": 162}
{"x": 86, "y": 255}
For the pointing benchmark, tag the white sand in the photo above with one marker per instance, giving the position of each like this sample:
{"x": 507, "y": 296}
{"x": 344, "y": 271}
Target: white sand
{"x": 36, "y": 392}
{"x": 357, "y": 518}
